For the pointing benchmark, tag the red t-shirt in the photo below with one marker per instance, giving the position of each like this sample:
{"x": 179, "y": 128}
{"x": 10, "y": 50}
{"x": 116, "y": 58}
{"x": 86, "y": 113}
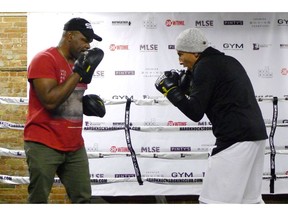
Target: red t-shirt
{"x": 61, "y": 128}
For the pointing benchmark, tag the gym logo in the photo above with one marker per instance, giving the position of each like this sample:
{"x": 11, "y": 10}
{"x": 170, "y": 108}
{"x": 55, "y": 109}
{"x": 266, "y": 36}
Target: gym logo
{"x": 122, "y": 97}
{"x": 170, "y": 23}
{"x": 282, "y": 22}
{"x": 182, "y": 174}
{"x": 235, "y": 46}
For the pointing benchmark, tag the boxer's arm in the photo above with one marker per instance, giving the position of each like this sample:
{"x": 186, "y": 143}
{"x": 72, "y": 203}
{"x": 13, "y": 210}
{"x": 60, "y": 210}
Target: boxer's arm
{"x": 50, "y": 94}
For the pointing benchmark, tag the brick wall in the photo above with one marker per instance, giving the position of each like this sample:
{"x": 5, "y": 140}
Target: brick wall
{"x": 13, "y": 83}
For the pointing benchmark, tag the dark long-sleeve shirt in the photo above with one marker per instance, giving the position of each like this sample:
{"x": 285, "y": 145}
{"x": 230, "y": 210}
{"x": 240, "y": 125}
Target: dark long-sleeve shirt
{"x": 222, "y": 90}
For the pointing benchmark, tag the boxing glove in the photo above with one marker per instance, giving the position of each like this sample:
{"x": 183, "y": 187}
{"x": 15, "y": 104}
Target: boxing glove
{"x": 93, "y": 105}
{"x": 86, "y": 64}
{"x": 185, "y": 78}
{"x": 167, "y": 83}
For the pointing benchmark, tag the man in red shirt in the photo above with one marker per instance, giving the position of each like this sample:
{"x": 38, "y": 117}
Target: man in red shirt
{"x": 53, "y": 142}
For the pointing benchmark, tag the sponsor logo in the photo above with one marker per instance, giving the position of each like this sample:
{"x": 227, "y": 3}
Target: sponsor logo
{"x": 150, "y": 23}
{"x": 114, "y": 47}
{"x": 150, "y": 149}
{"x": 259, "y": 22}
{"x": 257, "y": 46}
{"x": 204, "y": 123}
{"x": 284, "y": 71}
{"x": 126, "y": 72}
{"x": 98, "y": 74}
{"x": 170, "y": 23}
{"x": 204, "y": 23}
{"x": 88, "y": 25}
{"x": 118, "y": 149}
{"x": 121, "y": 23}
{"x": 148, "y": 47}
{"x": 124, "y": 175}
{"x": 265, "y": 73}
{"x": 233, "y": 22}
{"x": 172, "y": 123}
{"x": 179, "y": 149}
{"x": 151, "y": 72}
{"x": 283, "y": 46}
{"x": 97, "y": 175}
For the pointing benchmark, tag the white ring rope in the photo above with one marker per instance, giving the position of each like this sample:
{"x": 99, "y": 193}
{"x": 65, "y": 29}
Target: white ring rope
{"x": 194, "y": 155}
{"x": 153, "y": 100}
{"x": 6, "y": 179}
{"x": 184, "y": 155}
{"x": 155, "y": 128}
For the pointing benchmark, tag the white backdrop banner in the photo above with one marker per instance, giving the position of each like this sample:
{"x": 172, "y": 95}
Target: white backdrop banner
{"x": 138, "y": 47}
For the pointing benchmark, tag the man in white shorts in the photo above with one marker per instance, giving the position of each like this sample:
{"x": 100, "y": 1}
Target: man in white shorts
{"x": 217, "y": 85}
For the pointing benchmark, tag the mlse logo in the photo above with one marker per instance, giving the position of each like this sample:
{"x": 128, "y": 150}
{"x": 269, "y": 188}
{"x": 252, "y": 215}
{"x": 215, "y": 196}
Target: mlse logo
{"x": 149, "y": 47}
{"x": 204, "y": 23}
{"x": 98, "y": 74}
{"x": 233, "y": 46}
{"x": 150, "y": 149}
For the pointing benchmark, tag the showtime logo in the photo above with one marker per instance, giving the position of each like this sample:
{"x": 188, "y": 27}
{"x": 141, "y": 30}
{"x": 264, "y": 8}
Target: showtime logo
{"x": 170, "y": 23}
{"x": 119, "y": 149}
{"x": 114, "y": 47}
{"x": 284, "y": 71}
{"x": 172, "y": 123}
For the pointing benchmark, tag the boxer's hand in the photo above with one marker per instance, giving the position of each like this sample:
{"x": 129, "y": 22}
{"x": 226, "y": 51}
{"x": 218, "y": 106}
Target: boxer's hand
{"x": 86, "y": 64}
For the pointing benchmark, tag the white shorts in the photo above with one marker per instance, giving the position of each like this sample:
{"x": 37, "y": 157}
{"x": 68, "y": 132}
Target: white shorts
{"x": 234, "y": 175}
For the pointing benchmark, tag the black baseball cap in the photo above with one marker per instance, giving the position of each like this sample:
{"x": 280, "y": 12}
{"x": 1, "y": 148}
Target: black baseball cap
{"x": 83, "y": 26}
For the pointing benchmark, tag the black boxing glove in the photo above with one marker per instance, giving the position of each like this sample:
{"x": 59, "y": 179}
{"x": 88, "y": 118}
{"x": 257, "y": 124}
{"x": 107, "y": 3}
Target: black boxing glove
{"x": 86, "y": 64}
{"x": 93, "y": 105}
{"x": 167, "y": 84}
{"x": 185, "y": 81}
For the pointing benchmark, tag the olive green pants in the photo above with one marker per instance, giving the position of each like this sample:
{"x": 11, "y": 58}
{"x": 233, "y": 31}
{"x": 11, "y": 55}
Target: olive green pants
{"x": 72, "y": 169}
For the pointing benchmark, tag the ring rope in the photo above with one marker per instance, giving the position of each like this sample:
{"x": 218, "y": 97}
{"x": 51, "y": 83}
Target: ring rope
{"x": 6, "y": 179}
{"x": 153, "y": 100}
{"x": 185, "y": 155}
{"x": 154, "y": 128}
